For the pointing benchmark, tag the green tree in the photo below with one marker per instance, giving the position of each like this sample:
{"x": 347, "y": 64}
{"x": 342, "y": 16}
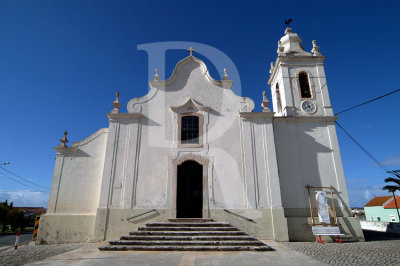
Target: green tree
{"x": 395, "y": 187}
{"x": 16, "y": 220}
{"x": 12, "y": 217}
{"x": 5, "y": 209}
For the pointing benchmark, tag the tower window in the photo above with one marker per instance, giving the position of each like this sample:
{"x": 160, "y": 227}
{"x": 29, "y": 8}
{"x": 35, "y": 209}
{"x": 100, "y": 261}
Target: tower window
{"x": 190, "y": 129}
{"x": 278, "y": 97}
{"x": 305, "y": 89}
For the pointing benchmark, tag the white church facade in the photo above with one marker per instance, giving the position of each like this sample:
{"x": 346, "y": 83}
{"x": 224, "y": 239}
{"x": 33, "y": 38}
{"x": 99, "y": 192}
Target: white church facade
{"x": 192, "y": 148}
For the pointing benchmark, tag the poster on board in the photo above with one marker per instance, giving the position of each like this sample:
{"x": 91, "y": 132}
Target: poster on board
{"x": 322, "y": 206}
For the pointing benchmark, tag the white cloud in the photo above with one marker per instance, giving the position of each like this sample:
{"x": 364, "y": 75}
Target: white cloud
{"x": 394, "y": 160}
{"x": 25, "y": 198}
{"x": 360, "y": 195}
{"x": 367, "y": 194}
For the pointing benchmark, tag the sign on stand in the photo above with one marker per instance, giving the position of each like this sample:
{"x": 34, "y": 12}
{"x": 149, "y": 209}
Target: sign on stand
{"x": 324, "y": 227}
{"x": 322, "y": 207}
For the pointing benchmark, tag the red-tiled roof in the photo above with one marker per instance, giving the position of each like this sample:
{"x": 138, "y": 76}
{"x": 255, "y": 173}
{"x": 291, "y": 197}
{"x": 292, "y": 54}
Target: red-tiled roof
{"x": 37, "y": 210}
{"x": 377, "y": 201}
{"x": 391, "y": 204}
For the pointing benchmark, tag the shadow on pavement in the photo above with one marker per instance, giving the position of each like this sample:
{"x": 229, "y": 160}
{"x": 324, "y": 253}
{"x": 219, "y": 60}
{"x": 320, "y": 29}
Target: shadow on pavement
{"x": 377, "y": 236}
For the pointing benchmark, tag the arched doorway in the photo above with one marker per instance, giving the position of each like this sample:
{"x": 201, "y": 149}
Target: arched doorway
{"x": 189, "y": 200}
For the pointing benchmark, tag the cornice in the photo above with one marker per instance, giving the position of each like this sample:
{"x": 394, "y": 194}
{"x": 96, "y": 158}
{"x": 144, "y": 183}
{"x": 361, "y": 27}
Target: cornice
{"x": 295, "y": 60}
{"x": 90, "y": 138}
{"x": 305, "y": 118}
{"x": 274, "y": 70}
{"x": 66, "y": 151}
{"x": 124, "y": 116}
{"x": 302, "y": 58}
{"x": 189, "y": 105}
{"x": 247, "y": 115}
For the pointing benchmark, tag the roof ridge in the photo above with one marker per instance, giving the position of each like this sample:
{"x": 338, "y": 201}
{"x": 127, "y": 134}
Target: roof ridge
{"x": 377, "y": 201}
{"x": 390, "y": 204}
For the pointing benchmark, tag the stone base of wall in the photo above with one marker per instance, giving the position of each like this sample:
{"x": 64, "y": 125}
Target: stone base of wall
{"x": 110, "y": 224}
{"x": 300, "y": 229}
{"x": 65, "y": 228}
{"x": 113, "y": 223}
{"x": 266, "y": 224}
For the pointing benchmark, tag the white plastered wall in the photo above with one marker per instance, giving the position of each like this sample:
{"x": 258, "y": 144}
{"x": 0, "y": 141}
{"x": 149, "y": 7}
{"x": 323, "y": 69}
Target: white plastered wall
{"x": 75, "y": 191}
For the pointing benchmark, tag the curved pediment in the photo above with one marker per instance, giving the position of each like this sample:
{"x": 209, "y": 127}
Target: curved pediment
{"x": 190, "y": 105}
{"x": 191, "y": 80}
{"x": 182, "y": 64}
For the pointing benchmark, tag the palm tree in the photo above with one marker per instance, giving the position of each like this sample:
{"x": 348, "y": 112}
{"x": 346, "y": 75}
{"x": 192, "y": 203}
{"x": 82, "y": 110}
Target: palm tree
{"x": 395, "y": 187}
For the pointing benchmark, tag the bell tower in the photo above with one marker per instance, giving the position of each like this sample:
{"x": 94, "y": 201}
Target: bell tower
{"x": 297, "y": 79}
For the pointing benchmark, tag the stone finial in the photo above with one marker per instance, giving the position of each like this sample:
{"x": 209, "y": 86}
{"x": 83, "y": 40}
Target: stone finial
{"x": 63, "y": 140}
{"x": 280, "y": 48}
{"x": 315, "y": 48}
{"x": 225, "y": 77}
{"x": 288, "y": 30}
{"x": 191, "y": 50}
{"x": 265, "y": 103}
{"x": 272, "y": 67}
{"x": 116, "y": 104}
{"x": 156, "y": 77}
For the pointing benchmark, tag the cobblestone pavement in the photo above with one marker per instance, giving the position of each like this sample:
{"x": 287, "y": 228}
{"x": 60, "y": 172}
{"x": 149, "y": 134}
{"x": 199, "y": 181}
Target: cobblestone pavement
{"x": 357, "y": 253}
{"x": 30, "y": 253}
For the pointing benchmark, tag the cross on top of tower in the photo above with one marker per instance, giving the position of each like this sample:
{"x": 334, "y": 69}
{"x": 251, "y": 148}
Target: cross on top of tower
{"x": 191, "y": 50}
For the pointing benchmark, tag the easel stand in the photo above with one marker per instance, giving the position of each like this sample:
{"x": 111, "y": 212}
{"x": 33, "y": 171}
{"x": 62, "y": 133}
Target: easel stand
{"x": 324, "y": 229}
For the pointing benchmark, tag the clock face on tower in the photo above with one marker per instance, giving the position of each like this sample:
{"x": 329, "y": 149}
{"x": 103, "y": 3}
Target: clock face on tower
{"x": 308, "y": 107}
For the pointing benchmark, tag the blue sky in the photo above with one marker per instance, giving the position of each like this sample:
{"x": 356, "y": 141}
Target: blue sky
{"x": 62, "y": 61}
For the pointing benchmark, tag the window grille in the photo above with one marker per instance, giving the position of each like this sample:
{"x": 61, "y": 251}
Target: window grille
{"x": 190, "y": 130}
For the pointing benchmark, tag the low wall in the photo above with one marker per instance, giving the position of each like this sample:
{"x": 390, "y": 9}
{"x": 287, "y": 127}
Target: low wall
{"x": 263, "y": 224}
{"x": 387, "y": 227}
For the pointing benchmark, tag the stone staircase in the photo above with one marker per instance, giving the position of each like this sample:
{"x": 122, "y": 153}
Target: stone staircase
{"x": 188, "y": 234}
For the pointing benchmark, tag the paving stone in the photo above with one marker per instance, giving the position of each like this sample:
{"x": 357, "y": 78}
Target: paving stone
{"x": 385, "y": 252}
{"x": 31, "y": 253}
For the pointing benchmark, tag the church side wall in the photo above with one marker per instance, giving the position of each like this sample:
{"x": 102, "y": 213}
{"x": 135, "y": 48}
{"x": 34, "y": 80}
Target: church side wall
{"x": 308, "y": 154}
{"x": 75, "y": 191}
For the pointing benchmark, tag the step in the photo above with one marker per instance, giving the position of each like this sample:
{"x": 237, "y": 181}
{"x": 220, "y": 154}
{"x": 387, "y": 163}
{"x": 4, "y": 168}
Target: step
{"x": 186, "y": 243}
{"x": 183, "y": 238}
{"x": 187, "y": 248}
{"x": 188, "y": 233}
{"x": 191, "y": 220}
{"x": 189, "y": 224}
{"x": 184, "y": 228}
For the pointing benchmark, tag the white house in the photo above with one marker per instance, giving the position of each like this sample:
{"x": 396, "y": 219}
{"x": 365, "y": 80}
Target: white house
{"x": 191, "y": 148}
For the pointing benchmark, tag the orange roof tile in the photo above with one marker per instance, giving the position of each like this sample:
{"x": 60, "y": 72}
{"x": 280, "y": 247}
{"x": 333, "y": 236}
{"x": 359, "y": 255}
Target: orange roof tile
{"x": 377, "y": 201}
{"x": 391, "y": 204}
{"x": 36, "y": 210}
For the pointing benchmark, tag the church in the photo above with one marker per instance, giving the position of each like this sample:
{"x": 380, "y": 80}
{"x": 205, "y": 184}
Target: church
{"x": 192, "y": 148}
